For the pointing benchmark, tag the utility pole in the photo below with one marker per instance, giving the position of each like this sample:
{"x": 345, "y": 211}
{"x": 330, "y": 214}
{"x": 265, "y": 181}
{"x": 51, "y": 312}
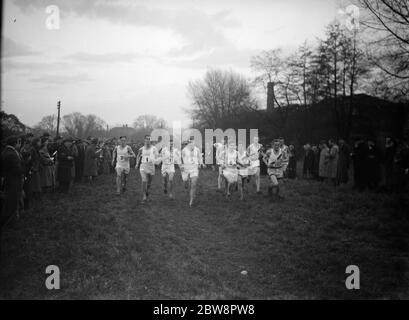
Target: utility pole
{"x": 58, "y": 117}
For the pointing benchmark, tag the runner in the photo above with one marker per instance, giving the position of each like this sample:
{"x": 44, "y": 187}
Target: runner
{"x": 192, "y": 160}
{"x": 286, "y": 155}
{"x": 169, "y": 156}
{"x": 274, "y": 162}
{"x": 121, "y": 155}
{"x": 229, "y": 166}
{"x": 220, "y": 148}
{"x": 243, "y": 163}
{"x": 253, "y": 152}
{"x": 147, "y": 158}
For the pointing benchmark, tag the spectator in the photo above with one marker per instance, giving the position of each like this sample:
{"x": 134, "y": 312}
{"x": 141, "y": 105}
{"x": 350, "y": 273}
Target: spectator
{"x": 316, "y": 164}
{"x": 332, "y": 157}
{"x": 65, "y": 165}
{"x": 35, "y": 172}
{"x": 323, "y": 161}
{"x": 79, "y": 166}
{"x": 373, "y": 166}
{"x": 75, "y": 154}
{"x": 343, "y": 162}
{"x": 308, "y": 165}
{"x": 292, "y": 162}
{"x": 107, "y": 159}
{"x": 47, "y": 176}
{"x": 402, "y": 165}
{"x": 25, "y": 152}
{"x": 90, "y": 160}
{"x": 12, "y": 179}
{"x": 359, "y": 157}
{"x": 389, "y": 171}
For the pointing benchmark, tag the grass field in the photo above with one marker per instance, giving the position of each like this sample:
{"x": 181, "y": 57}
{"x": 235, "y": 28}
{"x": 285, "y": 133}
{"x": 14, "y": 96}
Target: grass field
{"x": 110, "y": 247}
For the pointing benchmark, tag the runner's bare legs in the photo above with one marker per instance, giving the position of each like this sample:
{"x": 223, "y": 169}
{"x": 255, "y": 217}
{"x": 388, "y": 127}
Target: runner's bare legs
{"x": 193, "y": 184}
{"x": 170, "y": 184}
{"x": 240, "y": 182}
{"x": 257, "y": 180}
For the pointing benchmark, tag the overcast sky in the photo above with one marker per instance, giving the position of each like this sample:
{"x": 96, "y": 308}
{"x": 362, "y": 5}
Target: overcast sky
{"x": 123, "y": 58}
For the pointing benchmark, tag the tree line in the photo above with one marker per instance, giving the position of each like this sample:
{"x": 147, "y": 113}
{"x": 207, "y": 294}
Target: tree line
{"x": 372, "y": 58}
{"x": 81, "y": 126}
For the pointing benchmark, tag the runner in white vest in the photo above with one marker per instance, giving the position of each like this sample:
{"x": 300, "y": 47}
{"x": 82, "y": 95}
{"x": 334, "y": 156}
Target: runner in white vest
{"x": 243, "y": 163}
{"x": 122, "y": 154}
{"x": 169, "y": 156}
{"x": 253, "y": 152}
{"x": 229, "y": 166}
{"x": 274, "y": 162}
{"x": 192, "y": 160}
{"x": 220, "y": 148}
{"x": 147, "y": 158}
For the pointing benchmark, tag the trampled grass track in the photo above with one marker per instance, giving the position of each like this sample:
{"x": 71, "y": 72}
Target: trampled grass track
{"x": 110, "y": 247}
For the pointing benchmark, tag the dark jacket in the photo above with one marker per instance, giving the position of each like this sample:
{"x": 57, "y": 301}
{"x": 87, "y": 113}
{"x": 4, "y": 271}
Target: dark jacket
{"x": 90, "y": 161}
{"x": 12, "y": 171}
{"x": 65, "y": 165}
{"x": 12, "y": 165}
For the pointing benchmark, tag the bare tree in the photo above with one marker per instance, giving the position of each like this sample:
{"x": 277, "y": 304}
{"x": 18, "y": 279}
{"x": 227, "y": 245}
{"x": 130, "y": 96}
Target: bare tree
{"x": 148, "y": 121}
{"x": 219, "y": 98}
{"x": 269, "y": 66}
{"x": 81, "y": 126}
{"x": 387, "y": 25}
{"x": 48, "y": 124}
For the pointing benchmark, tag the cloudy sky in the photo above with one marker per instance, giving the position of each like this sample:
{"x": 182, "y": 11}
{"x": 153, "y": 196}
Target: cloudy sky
{"x": 123, "y": 58}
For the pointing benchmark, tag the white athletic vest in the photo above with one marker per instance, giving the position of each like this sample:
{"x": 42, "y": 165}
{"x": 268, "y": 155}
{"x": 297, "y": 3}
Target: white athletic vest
{"x": 169, "y": 157}
{"x": 121, "y": 153}
{"x": 191, "y": 157}
{"x": 242, "y": 158}
{"x": 231, "y": 158}
{"x": 219, "y": 150}
{"x": 274, "y": 157}
{"x": 254, "y": 151}
{"x": 148, "y": 155}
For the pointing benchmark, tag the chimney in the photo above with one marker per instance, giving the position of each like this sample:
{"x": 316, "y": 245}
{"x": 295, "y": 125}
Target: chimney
{"x": 270, "y": 96}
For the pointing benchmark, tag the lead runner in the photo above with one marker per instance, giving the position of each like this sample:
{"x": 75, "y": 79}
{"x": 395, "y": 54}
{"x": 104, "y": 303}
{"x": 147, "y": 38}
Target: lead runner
{"x": 253, "y": 151}
{"x": 147, "y": 158}
{"x": 169, "y": 156}
{"x": 220, "y": 149}
{"x": 192, "y": 160}
{"x": 230, "y": 172}
{"x": 121, "y": 155}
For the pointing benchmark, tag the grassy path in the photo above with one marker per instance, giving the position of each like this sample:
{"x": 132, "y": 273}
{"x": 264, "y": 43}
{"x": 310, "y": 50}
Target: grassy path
{"x": 114, "y": 247}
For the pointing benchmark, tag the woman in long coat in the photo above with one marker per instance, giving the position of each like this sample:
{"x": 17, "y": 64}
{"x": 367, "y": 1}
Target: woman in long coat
{"x": 90, "y": 160}
{"x": 323, "y": 164}
{"x": 65, "y": 164}
{"x": 107, "y": 159}
{"x": 47, "y": 173}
